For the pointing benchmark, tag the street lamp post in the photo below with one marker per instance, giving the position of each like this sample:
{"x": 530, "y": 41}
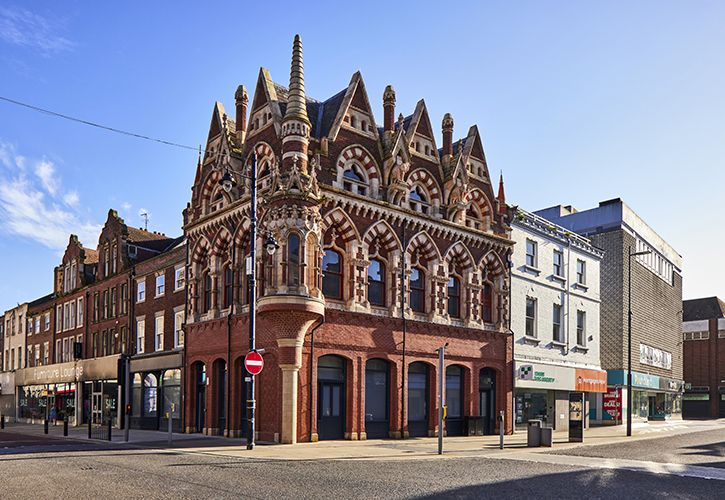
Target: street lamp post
{"x": 629, "y": 335}
{"x": 227, "y": 181}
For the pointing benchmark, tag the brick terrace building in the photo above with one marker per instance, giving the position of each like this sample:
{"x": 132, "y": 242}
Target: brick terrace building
{"x": 703, "y": 331}
{"x": 349, "y": 202}
{"x": 656, "y": 306}
{"x": 77, "y": 367}
{"x": 159, "y": 310}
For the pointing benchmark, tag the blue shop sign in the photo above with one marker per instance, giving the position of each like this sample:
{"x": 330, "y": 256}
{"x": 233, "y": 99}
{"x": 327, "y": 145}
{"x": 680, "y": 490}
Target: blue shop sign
{"x": 619, "y": 377}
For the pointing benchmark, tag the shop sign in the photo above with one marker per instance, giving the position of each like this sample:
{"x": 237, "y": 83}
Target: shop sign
{"x": 652, "y": 356}
{"x": 696, "y": 397}
{"x": 645, "y": 380}
{"x": 536, "y": 375}
{"x": 590, "y": 380}
{"x": 612, "y": 404}
{"x": 672, "y": 385}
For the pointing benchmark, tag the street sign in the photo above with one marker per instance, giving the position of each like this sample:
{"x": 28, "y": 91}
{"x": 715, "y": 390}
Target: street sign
{"x": 254, "y": 363}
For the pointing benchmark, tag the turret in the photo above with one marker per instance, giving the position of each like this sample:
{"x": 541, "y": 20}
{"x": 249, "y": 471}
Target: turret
{"x": 389, "y": 109}
{"x": 242, "y": 100}
{"x": 447, "y": 126}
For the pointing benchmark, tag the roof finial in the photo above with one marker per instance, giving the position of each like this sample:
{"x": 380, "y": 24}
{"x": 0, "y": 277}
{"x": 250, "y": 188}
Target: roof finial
{"x": 297, "y": 103}
{"x": 501, "y": 195}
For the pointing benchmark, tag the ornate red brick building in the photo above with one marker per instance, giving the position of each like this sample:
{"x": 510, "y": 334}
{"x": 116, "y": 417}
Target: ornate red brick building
{"x": 350, "y": 203}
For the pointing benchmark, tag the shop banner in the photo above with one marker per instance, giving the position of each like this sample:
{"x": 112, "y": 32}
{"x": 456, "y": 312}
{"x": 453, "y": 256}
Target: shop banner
{"x": 612, "y": 403}
{"x": 590, "y": 380}
{"x": 76, "y": 371}
{"x": 541, "y": 376}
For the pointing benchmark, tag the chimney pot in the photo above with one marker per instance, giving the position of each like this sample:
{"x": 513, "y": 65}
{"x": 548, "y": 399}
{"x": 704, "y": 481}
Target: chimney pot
{"x": 447, "y": 126}
{"x": 389, "y": 109}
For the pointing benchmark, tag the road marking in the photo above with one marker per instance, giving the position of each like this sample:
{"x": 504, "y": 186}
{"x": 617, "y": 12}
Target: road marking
{"x": 683, "y": 470}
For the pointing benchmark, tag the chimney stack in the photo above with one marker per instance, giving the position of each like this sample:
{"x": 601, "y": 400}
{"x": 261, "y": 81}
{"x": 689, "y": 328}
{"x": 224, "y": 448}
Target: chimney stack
{"x": 389, "y": 109}
{"x": 242, "y": 99}
{"x": 447, "y": 135}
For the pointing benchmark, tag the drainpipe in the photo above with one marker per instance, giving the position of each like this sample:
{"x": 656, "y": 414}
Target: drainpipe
{"x": 229, "y": 336}
{"x": 568, "y": 293}
{"x": 186, "y": 338}
{"x": 513, "y": 346}
{"x": 402, "y": 315}
{"x": 312, "y": 367}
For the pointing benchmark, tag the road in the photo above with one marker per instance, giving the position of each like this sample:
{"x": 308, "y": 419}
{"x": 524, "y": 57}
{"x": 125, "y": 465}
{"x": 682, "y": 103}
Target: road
{"x": 35, "y": 466}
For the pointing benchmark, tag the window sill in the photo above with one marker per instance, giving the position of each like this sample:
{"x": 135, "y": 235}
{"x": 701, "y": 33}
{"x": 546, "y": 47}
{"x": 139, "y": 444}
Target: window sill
{"x": 178, "y": 289}
{"x": 560, "y": 279}
{"x": 581, "y": 286}
{"x": 531, "y": 340}
{"x": 581, "y": 348}
{"x": 532, "y": 270}
{"x": 556, "y": 343}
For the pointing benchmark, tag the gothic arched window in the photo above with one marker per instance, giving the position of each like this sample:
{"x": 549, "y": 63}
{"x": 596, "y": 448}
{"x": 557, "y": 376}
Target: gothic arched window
{"x": 354, "y": 180}
{"x": 487, "y": 303}
{"x": 293, "y": 260}
{"x": 418, "y": 200}
{"x": 332, "y": 274}
{"x": 417, "y": 290}
{"x": 454, "y": 297}
{"x": 376, "y": 282}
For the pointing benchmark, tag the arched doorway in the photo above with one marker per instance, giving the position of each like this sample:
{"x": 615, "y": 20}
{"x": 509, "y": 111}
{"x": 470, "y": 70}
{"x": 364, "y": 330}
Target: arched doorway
{"x": 377, "y": 397}
{"x": 220, "y": 382}
{"x": 418, "y": 400}
{"x": 454, "y": 400}
{"x": 487, "y": 399}
{"x": 200, "y": 383}
{"x": 331, "y": 397}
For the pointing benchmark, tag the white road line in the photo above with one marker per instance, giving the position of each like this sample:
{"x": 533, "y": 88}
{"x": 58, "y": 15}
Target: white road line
{"x": 684, "y": 470}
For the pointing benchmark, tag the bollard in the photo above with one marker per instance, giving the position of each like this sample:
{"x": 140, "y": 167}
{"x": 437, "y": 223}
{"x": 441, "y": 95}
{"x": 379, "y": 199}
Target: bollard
{"x": 110, "y": 428}
{"x": 168, "y": 418}
{"x": 45, "y": 426}
{"x": 501, "y": 429}
{"x": 89, "y": 426}
{"x": 65, "y": 426}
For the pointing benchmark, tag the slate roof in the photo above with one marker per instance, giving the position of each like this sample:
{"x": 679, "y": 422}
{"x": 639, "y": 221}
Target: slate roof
{"x": 91, "y": 256}
{"x": 705, "y": 308}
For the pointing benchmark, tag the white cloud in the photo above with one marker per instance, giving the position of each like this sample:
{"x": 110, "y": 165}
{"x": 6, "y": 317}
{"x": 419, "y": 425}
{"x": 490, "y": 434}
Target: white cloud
{"x": 37, "y": 211}
{"x": 126, "y": 206}
{"x": 27, "y": 29}
{"x": 71, "y": 198}
{"x": 9, "y": 157}
{"x": 45, "y": 170}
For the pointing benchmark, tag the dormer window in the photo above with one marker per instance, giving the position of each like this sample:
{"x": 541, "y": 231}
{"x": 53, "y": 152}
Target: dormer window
{"x": 418, "y": 200}
{"x": 106, "y": 260}
{"x": 473, "y": 217}
{"x": 353, "y": 122}
{"x": 354, "y": 181}
{"x": 217, "y": 202}
{"x": 363, "y": 125}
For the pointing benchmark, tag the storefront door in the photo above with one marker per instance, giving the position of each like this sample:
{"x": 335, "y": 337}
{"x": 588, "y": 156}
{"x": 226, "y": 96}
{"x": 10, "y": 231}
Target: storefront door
{"x": 418, "y": 401}
{"x": 331, "y": 397}
{"x": 487, "y": 399}
{"x": 377, "y": 414}
{"x": 454, "y": 401}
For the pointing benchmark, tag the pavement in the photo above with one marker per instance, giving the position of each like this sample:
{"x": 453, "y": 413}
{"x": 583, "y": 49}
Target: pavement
{"x": 675, "y": 459}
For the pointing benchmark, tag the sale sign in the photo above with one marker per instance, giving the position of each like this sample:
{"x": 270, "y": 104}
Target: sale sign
{"x": 612, "y": 403}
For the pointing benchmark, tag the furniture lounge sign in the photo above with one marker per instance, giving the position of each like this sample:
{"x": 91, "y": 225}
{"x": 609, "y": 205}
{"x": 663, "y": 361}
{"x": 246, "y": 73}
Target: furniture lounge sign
{"x": 53, "y": 374}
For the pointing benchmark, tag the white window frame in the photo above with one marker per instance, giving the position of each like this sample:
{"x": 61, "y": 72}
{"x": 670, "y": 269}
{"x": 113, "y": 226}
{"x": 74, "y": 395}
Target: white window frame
{"x": 141, "y": 290}
{"x": 557, "y": 254}
{"x": 583, "y": 328}
{"x": 79, "y": 311}
{"x": 46, "y": 321}
{"x": 140, "y": 334}
{"x": 160, "y": 285}
{"x": 534, "y": 255}
{"x": 581, "y": 280}
{"x": 179, "y": 327}
{"x": 179, "y": 278}
{"x": 534, "y": 334}
{"x": 159, "y": 331}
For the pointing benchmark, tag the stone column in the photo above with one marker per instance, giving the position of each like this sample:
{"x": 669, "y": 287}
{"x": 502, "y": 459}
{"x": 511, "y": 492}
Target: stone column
{"x": 290, "y": 351}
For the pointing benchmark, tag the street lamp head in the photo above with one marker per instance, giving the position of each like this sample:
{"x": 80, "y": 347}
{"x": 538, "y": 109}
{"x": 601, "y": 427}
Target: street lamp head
{"x": 271, "y": 245}
{"x": 227, "y": 181}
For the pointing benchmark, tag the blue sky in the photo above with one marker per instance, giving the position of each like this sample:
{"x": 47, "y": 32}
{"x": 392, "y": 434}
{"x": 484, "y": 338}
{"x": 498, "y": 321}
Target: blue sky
{"x": 577, "y": 102}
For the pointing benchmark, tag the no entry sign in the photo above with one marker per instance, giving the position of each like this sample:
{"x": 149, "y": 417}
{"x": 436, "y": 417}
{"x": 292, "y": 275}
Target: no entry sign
{"x": 254, "y": 363}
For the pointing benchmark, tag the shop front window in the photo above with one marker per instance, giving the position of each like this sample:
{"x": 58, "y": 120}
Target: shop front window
{"x": 137, "y": 395}
{"x": 172, "y": 393}
{"x": 150, "y": 385}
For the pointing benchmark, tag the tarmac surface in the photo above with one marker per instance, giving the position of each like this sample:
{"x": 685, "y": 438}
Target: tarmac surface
{"x": 674, "y": 461}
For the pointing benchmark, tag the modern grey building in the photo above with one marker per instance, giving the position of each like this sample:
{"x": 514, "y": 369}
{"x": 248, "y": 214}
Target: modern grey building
{"x": 657, "y": 376}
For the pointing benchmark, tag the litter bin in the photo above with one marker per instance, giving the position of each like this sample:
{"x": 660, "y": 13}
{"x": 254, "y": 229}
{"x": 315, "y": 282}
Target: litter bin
{"x": 533, "y": 434}
{"x": 547, "y": 437}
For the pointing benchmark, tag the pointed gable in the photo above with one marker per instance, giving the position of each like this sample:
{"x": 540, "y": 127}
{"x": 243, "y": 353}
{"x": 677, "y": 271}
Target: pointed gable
{"x": 420, "y": 134}
{"x": 266, "y": 108}
{"x": 354, "y": 112}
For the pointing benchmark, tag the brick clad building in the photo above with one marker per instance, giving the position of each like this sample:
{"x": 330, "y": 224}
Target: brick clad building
{"x": 656, "y": 306}
{"x": 703, "y": 332}
{"x": 354, "y": 207}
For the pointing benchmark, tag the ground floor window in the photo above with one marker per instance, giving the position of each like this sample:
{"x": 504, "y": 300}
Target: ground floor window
{"x": 531, "y": 405}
